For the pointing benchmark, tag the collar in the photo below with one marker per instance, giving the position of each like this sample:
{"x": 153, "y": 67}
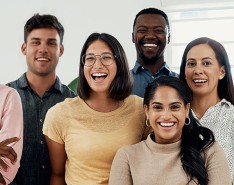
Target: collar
{"x": 164, "y": 68}
{"x": 23, "y": 83}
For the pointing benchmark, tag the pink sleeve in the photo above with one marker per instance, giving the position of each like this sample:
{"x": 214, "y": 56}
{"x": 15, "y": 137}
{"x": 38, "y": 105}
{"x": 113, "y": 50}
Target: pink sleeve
{"x": 11, "y": 125}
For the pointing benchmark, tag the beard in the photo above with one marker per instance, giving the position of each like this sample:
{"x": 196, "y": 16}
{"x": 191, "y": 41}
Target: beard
{"x": 149, "y": 61}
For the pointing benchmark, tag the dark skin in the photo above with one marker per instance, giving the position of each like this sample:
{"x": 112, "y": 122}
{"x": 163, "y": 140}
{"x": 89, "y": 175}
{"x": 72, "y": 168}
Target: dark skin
{"x": 150, "y": 35}
{"x": 8, "y": 152}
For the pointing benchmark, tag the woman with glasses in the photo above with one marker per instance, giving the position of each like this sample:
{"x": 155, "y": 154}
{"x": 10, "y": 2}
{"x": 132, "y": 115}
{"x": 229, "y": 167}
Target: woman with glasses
{"x": 84, "y": 133}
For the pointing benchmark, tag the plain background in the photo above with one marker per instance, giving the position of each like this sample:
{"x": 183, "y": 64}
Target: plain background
{"x": 80, "y": 18}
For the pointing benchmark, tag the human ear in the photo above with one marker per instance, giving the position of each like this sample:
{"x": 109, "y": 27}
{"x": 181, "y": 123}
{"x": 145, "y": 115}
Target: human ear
{"x": 146, "y": 111}
{"x": 23, "y": 48}
{"x": 61, "y": 50}
{"x": 133, "y": 37}
{"x": 222, "y": 73}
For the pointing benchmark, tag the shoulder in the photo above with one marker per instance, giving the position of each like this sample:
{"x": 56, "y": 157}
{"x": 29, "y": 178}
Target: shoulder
{"x": 132, "y": 150}
{"x": 65, "y": 105}
{"x": 135, "y": 99}
{"x": 67, "y": 91}
{"x": 8, "y": 91}
{"x": 214, "y": 149}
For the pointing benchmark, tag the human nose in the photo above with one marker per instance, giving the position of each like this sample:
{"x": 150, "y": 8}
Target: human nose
{"x": 43, "y": 48}
{"x": 166, "y": 114}
{"x": 150, "y": 33}
{"x": 98, "y": 61}
{"x": 198, "y": 69}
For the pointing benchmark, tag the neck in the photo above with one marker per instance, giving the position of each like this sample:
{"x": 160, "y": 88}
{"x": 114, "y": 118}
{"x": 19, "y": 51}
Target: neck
{"x": 153, "y": 66}
{"x": 201, "y": 104}
{"x": 40, "y": 84}
{"x": 102, "y": 103}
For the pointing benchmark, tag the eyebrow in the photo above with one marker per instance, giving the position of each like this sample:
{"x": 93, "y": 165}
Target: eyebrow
{"x": 169, "y": 104}
{"x": 49, "y": 39}
{"x": 202, "y": 58}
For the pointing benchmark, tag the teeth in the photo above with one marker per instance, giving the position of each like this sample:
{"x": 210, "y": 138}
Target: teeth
{"x": 166, "y": 124}
{"x": 99, "y": 74}
{"x": 200, "y": 81}
{"x": 150, "y": 45}
{"x": 42, "y": 59}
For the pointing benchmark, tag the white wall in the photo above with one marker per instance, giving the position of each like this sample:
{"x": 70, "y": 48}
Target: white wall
{"x": 79, "y": 18}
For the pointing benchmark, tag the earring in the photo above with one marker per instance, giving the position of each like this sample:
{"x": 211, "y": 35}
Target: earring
{"x": 147, "y": 123}
{"x": 187, "y": 122}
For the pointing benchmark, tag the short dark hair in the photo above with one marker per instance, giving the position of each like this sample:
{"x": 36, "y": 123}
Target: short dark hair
{"x": 225, "y": 85}
{"x": 152, "y": 11}
{"x": 121, "y": 86}
{"x": 43, "y": 21}
{"x": 195, "y": 138}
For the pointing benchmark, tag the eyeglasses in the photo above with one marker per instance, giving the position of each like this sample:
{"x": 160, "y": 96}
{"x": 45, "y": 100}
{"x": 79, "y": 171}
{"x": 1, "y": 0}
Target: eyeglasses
{"x": 105, "y": 58}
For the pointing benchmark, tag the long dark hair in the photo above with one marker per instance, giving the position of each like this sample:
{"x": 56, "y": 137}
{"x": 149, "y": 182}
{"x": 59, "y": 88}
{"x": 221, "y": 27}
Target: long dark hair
{"x": 225, "y": 85}
{"x": 195, "y": 138}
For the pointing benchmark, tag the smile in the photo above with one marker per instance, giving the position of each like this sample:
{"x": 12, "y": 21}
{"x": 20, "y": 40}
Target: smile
{"x": 99, "y": 76}
{"x": 171, "y": 124}
{"x": 150, "y": 45}
{"x": 42, "y": 59}
{"x": 199, "y": 81}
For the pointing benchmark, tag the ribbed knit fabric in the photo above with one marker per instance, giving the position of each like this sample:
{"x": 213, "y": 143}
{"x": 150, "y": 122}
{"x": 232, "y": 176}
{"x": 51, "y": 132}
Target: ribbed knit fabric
{"x": 150, "y": 163}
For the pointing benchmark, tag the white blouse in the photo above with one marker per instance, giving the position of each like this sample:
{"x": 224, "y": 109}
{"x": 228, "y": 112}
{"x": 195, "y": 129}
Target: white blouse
{"x": 220, "y": 119}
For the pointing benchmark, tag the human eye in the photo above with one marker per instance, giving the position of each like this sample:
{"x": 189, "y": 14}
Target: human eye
{"x": 159, "y": 30}
{"x": 90, "y": 58}
{"x": 106, "y": 57}
{"x": 157, "y": 107}
{"x": 206, "y": 63}
{"x": 142, "y": 30}
{"x": 191, "y": 63}
{"x": 175, "y": 107}
{"x": 35, "y": 42}
{"x": 52, "y": 43}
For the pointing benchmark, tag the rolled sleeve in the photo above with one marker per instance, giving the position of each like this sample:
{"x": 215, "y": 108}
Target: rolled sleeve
{"x": 11, "y": 125}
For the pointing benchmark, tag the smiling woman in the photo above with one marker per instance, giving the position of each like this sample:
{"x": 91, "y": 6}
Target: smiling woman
{"x": 179, "y": 151}
{"x": 102, "y": 118}
{"x": 206, "y": 69}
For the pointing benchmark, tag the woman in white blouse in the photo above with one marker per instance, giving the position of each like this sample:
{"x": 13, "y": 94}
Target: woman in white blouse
{"x": 206, "y": 69}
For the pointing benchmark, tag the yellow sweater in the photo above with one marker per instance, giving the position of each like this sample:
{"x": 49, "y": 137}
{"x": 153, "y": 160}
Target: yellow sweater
{"x": 92, "y": 138}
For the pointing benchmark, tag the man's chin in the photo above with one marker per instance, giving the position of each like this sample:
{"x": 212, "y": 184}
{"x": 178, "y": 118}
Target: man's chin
{"x": 149, "y": 60}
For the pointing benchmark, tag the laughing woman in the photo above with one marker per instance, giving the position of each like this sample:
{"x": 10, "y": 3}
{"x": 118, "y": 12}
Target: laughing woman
{"x": 179, "y": 151}
{"x": 206, "y": 69}
{"x": 84, "y": 133}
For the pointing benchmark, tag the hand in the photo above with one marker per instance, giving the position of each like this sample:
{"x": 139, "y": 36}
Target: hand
{"x": 8, "y": 152}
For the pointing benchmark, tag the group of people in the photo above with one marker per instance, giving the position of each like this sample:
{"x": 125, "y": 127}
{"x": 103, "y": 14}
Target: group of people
{"x": 147, "y": 125}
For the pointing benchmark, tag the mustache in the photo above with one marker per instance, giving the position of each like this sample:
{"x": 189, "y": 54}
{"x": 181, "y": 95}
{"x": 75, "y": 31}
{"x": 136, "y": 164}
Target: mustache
{"x": 157, "y": 42}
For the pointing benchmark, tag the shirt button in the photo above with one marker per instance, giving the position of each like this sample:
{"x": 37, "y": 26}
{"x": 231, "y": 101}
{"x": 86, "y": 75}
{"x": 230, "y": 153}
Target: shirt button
{"x": 41, "y": 120}
{"x": 43, "y": 166}
{"x": 42, "y": 142}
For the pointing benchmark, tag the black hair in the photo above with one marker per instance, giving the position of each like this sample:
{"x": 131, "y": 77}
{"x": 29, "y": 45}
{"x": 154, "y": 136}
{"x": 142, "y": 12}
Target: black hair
{"x": 152, "y": 11}
{"x": 195, "y": 138}
{"x": 225, "y": 85}
{"x": 43, "y": 21}
{"x": 121, "y": 86}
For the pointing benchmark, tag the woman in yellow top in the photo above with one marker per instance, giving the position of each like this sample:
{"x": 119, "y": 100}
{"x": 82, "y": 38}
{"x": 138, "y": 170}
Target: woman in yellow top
{"x": 84, "y": 133}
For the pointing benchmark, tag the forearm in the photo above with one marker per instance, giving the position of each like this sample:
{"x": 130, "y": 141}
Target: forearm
{"x": 2, "y": 180}
{"x": 57, "y": 180}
